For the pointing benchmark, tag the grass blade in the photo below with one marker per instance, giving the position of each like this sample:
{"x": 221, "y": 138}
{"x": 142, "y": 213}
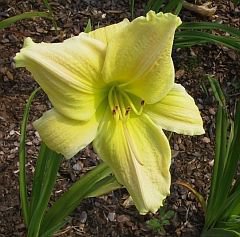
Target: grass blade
{"x": 11, "y": 20}
{"x": 22, "y": 160}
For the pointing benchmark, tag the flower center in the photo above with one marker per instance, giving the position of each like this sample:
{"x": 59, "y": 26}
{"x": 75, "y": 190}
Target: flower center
{"x": 122, "y": 103}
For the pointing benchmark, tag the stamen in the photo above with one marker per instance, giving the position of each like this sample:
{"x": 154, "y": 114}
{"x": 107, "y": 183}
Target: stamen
{"x": 121, "y": 106}
{"x": 142, "y": 105}
{"x": 127, "y": 111}
{"x": 131, "y": 103}
{"x": 110, "y": 99}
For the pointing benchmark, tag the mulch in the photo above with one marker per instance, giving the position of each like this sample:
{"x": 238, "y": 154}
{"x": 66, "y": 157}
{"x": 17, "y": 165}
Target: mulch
{"x": 192, "y": 156}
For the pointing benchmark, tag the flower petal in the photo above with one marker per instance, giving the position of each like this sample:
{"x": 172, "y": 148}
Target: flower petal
{"x": 68, "y": 72}
{"x": 64, "y": 135}
{"x": 138, "y": 153}
{"x": 177, "y": 112}
{"x": 140, "y": 56}
{"x": 105, "y": 34}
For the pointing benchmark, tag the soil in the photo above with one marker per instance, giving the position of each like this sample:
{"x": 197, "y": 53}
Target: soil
{"x": 192, "y": 156}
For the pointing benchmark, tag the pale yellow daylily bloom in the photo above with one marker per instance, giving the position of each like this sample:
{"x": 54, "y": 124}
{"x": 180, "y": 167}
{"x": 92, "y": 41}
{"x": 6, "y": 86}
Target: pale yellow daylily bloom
{"x": 115, "y": 86}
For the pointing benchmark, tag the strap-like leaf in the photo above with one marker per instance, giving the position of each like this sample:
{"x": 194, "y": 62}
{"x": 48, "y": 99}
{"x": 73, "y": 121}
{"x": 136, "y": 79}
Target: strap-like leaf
{"x": 217, "y": 91}
{"x": 48, "y": 6}
{"x": 22, "y": 160}
{"x": 88, "y": 27}
{"x": 209, "y": 26}
{"x": 218, "y": 192}
{"x": 233, "y": 205}
{"x": 53, "y": 161}
{"x": 104, "y": 186}
{"x": 220, "y": 232}
{"x": 72, "y": 198}
{"x": 173, "y": 6}
{"x": 26, "y": 15}
{"x": 154, "y": 5}
{"x": 198, "y": 37}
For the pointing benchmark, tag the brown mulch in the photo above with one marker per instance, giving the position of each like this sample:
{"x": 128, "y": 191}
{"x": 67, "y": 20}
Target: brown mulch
{"x": 192, "y": 156}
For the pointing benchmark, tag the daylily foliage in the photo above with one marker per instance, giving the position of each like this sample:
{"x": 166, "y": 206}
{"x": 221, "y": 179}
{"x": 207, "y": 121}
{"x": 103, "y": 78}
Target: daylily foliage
{"x": 115, "y": 86}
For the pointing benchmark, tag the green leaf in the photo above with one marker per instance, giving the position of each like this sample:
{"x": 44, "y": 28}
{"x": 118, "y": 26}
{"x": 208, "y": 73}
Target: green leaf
{"x": 219, "y": 190}
{"x": 173, "y": 6}
{"x": 232, "y": 223}
{"x": 26, "y": 15}
{"x": 233, "y": 204}
{"x": 165, "y": 222}
{"x": 154, "y": 5}
{"x": 178, "y": 8}
{"x": 209, "y": 26}
{"x": 22, "y": 160}
{"x": 189, "y": 38}
{"x": 88, "y": 27}
{"x": 48, "y": 6}
{"x": 53, "y": 231}
{"x": 223, "y": 202}
{"x": 72, "y": 198}
{"x": 198, "y": 196}
{"x": 217, "y": 91}
{"x": 38, "y": 177}
{"x": 236, "y": 2}
{"x": 48, "y": 181}
{"x": 155, "y": 224}
{"x": 220, "y": 232}
{"x": 132, "y": 7}
{"x": 104, "y": 186}
{"x": 169, "y": 214}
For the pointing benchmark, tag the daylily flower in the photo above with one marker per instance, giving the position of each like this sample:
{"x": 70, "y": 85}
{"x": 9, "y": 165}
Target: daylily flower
{"x": 115, "y": 86}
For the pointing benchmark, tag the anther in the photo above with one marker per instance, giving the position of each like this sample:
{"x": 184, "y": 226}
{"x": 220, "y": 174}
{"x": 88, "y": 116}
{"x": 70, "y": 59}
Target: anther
{"x": 127, "y": 111}
{"x": 114, "y": 112}
{"x": 142, "y": 102}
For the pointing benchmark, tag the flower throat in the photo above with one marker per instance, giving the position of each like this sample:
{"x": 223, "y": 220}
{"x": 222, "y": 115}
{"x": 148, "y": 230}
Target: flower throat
{"x": 122, "y": 104}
